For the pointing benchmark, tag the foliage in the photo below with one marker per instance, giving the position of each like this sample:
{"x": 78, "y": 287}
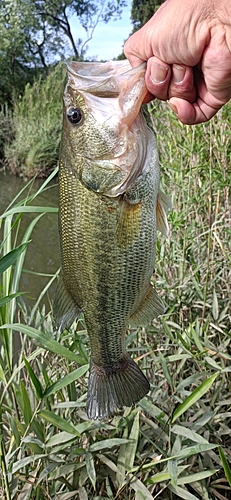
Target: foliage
{"x": 36, "y": 34}
{"x": 142, "y": 11}
{"x": 176, "y": 442}
{"x": 6, "y": 128}
{"x": 17, "y": 63}
{"x": 89, "y": 13}
{"x": 37, "y": 122}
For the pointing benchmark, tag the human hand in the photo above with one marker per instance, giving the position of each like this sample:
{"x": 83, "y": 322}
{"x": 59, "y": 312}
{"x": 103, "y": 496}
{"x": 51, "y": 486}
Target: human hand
{"x": 187, "y": 46}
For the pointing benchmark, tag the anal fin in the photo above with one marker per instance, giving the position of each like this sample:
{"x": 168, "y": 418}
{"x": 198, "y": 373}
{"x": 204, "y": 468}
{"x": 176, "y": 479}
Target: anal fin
{"x": 65, "y": 310}
{"x": 150, "y": 307}
{"x": 111, "y": 388}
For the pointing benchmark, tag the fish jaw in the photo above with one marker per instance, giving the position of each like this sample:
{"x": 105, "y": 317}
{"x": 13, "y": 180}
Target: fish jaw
{"x": 113, "y": 79}
{"x": 113, "y": 133}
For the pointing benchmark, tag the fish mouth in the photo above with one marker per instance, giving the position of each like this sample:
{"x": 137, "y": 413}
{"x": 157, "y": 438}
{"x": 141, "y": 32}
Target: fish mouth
{"x": 113, "y": 93}
{"x": 111, "y": 79}
{"x": 103, "y": 79}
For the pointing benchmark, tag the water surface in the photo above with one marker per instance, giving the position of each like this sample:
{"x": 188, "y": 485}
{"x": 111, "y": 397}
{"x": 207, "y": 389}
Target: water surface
{"x": 43, "y": 254}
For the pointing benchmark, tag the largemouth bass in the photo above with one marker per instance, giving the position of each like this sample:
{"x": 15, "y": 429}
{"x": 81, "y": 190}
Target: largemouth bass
{"x": 110, "y": 209}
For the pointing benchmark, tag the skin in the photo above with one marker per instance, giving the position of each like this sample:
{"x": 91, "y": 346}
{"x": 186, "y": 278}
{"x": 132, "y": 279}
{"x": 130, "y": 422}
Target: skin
{"x": 187, "y": 46}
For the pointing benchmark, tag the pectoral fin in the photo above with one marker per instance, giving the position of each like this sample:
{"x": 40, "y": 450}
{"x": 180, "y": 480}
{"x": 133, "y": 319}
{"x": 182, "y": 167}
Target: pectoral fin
{"x": 162, "y": 207}
{"x": 128, "y": 227}
{"x": 150, "y": 307}
{"x": 65, "y": 310}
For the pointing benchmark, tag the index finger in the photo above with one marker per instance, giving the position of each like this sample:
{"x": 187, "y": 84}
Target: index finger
{"x": 132, "y": 54}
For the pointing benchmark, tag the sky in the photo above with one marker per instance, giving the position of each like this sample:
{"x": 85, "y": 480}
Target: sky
{"x": 108, "y": 39}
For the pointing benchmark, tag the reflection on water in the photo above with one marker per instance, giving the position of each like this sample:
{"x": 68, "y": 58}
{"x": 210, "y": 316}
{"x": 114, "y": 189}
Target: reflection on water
{"x": 43, "y": 254}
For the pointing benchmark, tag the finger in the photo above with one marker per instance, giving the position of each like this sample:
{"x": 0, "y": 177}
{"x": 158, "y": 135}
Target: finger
{"x": 193, "y": 113}
{"x": 182, "y": 83}
{"x": 132, "y": 51}
{"x": 158, "y": 76}
{"x": 164, "y": 81}
{"x": 203, "y": 109}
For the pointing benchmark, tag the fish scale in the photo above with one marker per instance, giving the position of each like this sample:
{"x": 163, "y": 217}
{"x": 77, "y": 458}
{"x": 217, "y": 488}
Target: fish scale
{"x": 107, "y": 239}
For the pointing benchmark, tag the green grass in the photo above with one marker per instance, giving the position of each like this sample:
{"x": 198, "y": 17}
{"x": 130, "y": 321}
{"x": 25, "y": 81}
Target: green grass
{"x": 176, "y": 443}
{"x": 37, "y": 122}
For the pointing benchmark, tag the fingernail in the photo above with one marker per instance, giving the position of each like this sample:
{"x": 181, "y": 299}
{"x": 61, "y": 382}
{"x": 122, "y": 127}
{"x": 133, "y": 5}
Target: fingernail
{"x": 159, "y": 73}
{"x": 178, "y": 73}
{"x": 173, "y": 107}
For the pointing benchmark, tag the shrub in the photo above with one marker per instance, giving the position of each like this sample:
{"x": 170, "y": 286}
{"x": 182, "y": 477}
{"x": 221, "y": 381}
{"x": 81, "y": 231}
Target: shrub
{"x": 6, "y": 128}
{"x": 37, "y": 121}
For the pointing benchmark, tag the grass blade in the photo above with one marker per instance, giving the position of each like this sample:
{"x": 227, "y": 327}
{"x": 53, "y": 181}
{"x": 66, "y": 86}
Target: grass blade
{"x": 5, "y": 300}
{"x": 47, "y": 342}
{"x": 142, "y": 492}
{"x": 130, "y": 448}
{"x": 107, "y": 443}
{"x": 35, "y": 381}
{"x": 198, "y": 476}
{"x": 68, "y": 379}
{"x": 11, "y": 257}
{"x": 179, "y": 430}
{"x": 90, "y": 468}
{"x": 26, "y": 406}
{"x": 225, "y": 465}
{"x": 173, "y": 471}
{"x": 184, "y": 494}
{"x": 194, "y": 397}
{"x": 58, "y": 422}
{"x": 29, "y": 210}
{"x": 25, "y": 461}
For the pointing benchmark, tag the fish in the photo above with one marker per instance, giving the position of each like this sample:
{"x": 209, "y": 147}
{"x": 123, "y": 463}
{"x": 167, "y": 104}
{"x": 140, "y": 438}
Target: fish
{"x": 110, "y": 207}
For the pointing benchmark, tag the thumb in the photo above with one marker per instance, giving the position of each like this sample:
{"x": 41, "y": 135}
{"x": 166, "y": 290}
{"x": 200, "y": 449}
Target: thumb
{"x": 216, "y": 69}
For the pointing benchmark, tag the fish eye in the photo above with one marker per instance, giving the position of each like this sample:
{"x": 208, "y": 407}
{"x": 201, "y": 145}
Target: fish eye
{"x": 74, "y": 115}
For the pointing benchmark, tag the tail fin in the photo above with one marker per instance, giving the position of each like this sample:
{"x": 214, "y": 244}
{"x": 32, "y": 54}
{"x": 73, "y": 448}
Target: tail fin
{"x": 111, "y": 388}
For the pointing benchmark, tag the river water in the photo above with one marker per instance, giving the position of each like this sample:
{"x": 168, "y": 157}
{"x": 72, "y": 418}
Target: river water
{"x": 42, "y": 254}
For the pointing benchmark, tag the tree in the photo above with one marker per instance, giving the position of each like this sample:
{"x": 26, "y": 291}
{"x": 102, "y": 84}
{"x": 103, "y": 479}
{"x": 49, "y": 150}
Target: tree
{"x": 142, "y": 11}
{"x": 57, "y": 14}
{"x": 34, "y": 35}
{"x": 24, "y": 46}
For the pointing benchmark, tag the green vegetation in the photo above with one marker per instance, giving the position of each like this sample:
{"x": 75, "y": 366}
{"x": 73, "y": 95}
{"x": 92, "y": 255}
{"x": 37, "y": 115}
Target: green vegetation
{"x": 142, "y": 11}
{"x": 35, "y": 38}
{"x": 33, "y": 46}
{"x": 35, "y": 33}
{"x": 36, "y": 124}
{"x": 176, "y": 442}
